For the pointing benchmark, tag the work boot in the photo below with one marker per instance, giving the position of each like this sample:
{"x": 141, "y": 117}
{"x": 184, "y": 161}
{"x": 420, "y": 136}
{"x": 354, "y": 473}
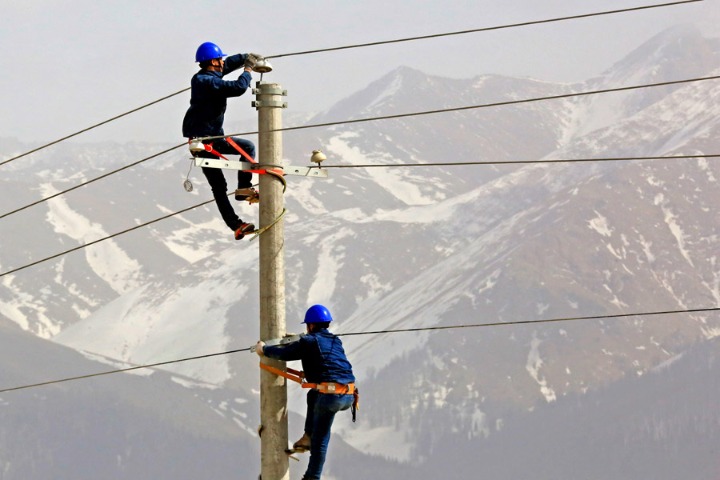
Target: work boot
{"x": 249, "y": 194}
{"x": 303, "y": 443}
{"x": 243, "y": 229}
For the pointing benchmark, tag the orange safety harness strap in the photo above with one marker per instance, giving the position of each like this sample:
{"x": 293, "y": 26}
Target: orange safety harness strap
{"x": 276, "y": 172}
{"x": 324, "y": 387}
{"x": 209, "y": 148}
{"x": 240, "y": 150}
{"x": 298, "y": 376}
{"x": 290, "y": 374}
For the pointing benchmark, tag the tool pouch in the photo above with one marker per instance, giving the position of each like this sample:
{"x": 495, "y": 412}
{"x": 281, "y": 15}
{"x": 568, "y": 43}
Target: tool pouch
{"x": 356, "y": 404}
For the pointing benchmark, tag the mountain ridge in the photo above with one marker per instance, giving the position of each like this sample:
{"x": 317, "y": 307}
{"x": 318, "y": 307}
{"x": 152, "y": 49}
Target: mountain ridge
{"x": 412, "y": 248}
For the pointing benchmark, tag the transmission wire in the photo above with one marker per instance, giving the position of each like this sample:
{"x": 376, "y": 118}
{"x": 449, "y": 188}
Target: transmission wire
{"x": 520, "y": 162}
{"x": 107, "y": 174}
{"x": 375, "y": 332}
{"x": 478, "y": 106}
{"x": 449, "y": 164}
{"x": 483, "y": 29}
{"x": 67, "y": 137}
{"x": 127, "y": 230}
{"x": 372, "y": 119}
{"x": 423, "y": 37}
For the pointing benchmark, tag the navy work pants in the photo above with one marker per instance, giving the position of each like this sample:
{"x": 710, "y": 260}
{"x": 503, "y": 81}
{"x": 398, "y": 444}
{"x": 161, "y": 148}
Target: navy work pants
{"x": 218, "y": 184}
{"x": 321, "y": 410}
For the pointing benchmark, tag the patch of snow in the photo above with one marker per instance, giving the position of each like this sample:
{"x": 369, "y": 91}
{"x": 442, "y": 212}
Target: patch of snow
{"x": 186, "y": 243}
{"x": 646, "y": 249}
{"x": 392, "y": 180}
{"x": 388, "y": 91}
{"x": 664, "y": 365}
{"x": 541, "y": 308}
{"x": 20, "y": 301}
{"x": 107, "y": 259}
{"x": 677, "y": 232}
{"x": 600, "y": 225}
{"x": 711, "y": 332}
{"x": 140, "y": 328}
{"x": 330, "y": 260}
{"x": 704, "y": 166}
{"x": 490, "y": 282}
{"x": 533, "y": 366}
{"x": 714, "y": 287}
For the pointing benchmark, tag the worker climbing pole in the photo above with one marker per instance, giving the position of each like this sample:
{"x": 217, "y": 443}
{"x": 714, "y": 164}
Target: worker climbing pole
{"x": 203, "y": 127}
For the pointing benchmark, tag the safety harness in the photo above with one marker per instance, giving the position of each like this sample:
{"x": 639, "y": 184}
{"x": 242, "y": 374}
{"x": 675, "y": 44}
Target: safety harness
{"x": 324, "y": 387}
{"x": 250, "y": 194}
{"x": 208, "y": 146}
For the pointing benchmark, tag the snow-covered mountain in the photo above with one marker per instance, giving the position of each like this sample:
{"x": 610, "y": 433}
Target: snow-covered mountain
{"x": 389, "y": 248}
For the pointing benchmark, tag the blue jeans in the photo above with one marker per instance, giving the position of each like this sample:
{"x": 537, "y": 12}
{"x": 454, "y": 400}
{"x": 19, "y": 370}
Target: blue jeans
{"x": 216, "y": 178}
{"x": 321, "y": 410}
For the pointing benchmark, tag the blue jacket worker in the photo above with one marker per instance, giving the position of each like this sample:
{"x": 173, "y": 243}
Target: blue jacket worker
{"x": 209, "y": 91}
{"x": 324, "y": 364}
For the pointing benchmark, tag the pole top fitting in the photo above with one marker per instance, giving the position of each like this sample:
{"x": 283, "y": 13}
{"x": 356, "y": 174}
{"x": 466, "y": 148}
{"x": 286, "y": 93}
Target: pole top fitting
{"x": 262, "y": 66}
{"x": 266, "y": 88}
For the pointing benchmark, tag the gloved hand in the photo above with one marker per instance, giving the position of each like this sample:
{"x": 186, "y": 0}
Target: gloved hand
{"x": 250, "y": 61}
{"x": 259, "y": 346}
{"x": 256, "y": 55}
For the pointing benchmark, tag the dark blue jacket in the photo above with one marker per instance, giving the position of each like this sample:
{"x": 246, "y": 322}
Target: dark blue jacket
{"x": 322, "y": 355}
{"x": 208, "y": 98}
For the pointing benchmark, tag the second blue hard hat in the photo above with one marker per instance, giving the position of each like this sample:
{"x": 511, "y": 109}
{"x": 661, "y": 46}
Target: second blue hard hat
{"x": 208, "y": 51}
{"x": 317, "y": 314}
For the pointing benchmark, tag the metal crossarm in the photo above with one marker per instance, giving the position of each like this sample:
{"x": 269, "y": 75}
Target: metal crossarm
{"x": 237, "y": 164}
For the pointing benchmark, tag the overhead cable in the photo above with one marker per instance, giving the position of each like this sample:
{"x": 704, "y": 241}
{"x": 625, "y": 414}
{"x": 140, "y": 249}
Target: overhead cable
{"x": 376, "y": 332}
{"x": 530, "y": 322}
{"x": 116, "y": 117}
{"x": 108, "y": 237}
{"x": 107, "y": 174}
{"x": 484, "y": 29}
{"x": 123, "y": 370}
{"x": 520, "y": 162}
{"x": 369, "y": 44}
{"x": 387, "y": 117}
{"x": 482, "y": 105}
{"x": 389, "y": 165}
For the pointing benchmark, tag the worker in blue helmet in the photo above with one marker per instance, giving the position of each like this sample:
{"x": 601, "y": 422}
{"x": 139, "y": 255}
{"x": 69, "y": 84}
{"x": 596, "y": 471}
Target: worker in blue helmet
{"x": 209, "y": 91}
{"x": 324, "y": 364}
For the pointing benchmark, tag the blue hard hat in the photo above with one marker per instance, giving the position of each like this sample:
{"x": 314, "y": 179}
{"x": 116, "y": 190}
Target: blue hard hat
{"x": 208, "y": 51}
{"x": 317, "y": 314}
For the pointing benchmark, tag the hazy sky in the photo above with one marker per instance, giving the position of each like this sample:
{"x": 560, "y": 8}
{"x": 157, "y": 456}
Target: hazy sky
{"x": 70, "y": 64}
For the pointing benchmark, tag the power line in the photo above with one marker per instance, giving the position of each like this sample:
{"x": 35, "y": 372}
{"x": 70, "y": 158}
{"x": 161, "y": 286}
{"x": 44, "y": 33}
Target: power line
{"x": 123, "y": 370}
{"x": 91, "y": 180}
{"x": 67, "y": 137}
{"x": 483, "y": 29}
{"x": 396, "y": 165}
{"x": 521, "y": 162}
{"x": 387, "y": 117}
{"x": 376, "y": 332}
{"x": 529, "y": 322}
{"x": 483, "y": 105}
{"x": 361, "y": 45}
{"x": 79, "y": 247}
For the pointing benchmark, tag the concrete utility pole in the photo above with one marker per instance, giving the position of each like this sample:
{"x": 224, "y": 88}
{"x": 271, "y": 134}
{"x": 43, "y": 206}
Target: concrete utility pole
{"x": 273, "y": 388}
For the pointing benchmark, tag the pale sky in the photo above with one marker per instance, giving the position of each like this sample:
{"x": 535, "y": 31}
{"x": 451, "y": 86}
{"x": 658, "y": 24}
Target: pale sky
{"x": 74, "y": 63}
